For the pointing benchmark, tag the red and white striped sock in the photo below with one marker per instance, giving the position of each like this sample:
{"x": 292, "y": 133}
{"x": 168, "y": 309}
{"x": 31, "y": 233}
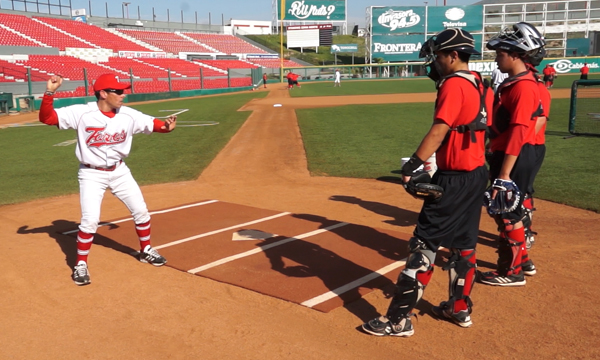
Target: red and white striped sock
{"x": 84, "y": 243}
{"x": 143, "y": 232}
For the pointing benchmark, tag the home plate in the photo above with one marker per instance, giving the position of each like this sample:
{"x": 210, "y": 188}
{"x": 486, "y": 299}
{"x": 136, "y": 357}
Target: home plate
{"x": 249, "y": 234}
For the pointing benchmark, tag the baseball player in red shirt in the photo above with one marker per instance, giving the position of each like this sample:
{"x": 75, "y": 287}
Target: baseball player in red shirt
{"x": 584, "y": 72}
{"x": 549, "y": 76}
{"x": 516, "y": 110}
{"x": 457, "y": 136}
{"x": 105, "y": 132}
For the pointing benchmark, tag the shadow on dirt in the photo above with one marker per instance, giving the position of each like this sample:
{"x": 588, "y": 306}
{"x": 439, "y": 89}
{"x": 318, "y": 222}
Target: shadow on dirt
{"x": 68, "y": 242}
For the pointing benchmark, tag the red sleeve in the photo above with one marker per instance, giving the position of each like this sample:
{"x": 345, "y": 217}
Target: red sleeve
{"x": 449, "y": 95}
{"x": 516, "y": 139}
{"x": 47, "y": 114}
{"x": 523, "y": 101}
{"x": 158, "y": 124}
{"x": 546, "y": 99}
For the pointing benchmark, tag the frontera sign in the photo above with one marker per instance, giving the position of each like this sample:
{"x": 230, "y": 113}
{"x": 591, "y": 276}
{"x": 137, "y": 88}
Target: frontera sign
{"x": 397, "y": 48}
{"x": 398, "y": 19}
{"x": 315, "y": 10}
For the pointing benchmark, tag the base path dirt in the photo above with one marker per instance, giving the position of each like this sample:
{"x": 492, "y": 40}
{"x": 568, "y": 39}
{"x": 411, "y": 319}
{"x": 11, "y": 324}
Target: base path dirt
{"x": 133, "y": 310}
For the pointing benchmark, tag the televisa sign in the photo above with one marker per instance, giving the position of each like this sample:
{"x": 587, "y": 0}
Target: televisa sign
{"x": 314, "y": 10}
{"x": 468, "y": 18}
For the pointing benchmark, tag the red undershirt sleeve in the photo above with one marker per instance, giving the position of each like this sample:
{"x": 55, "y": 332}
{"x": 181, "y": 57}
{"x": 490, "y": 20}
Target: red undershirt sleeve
{"x": 516, "y": 139}
{"x": 47, "y": 114}
{"x": 158, "y": 124}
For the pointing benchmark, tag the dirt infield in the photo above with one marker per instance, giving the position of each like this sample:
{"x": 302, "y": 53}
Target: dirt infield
{"x": 133, "y": 310}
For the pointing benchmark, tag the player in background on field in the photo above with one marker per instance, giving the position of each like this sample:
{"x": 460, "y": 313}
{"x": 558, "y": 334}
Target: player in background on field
{"x": 512, "y": 135}
{"x": 585, "y": 70}
{"x": 549, "y": 76}
{"x": 264, "y": 80}
{"x": 457, "y": 136}
{"x": 338, "y": 78}
{"x": 105, "y": 130}
{"x": 497, "y": 78}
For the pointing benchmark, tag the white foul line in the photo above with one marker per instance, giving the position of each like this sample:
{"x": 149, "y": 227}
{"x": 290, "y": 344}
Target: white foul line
{"x": 152, "y": 213}
{"x": 263, "y": 248}
{"x": 177, "y": 242}
{"x": 354, "y": 284}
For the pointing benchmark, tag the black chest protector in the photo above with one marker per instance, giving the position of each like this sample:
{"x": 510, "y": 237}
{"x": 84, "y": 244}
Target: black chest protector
{"x": 480, "y": 121}
{"x": 502, "y": 115}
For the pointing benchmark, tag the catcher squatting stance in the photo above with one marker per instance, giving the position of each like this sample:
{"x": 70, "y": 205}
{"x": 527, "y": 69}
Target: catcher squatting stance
{"x": 105, "y": 132}
{"x": 452, "y": 199}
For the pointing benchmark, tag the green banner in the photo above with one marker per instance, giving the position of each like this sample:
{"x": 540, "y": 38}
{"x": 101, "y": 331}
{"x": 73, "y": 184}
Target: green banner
{"x": 397, "y": 20}
{"x": 344, "y": 48}
{"x": 468, "y": 18}
{"x": 314, "y": 10}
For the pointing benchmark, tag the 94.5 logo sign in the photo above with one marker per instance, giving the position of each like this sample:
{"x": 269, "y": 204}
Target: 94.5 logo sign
{"x": 398, "y": 19}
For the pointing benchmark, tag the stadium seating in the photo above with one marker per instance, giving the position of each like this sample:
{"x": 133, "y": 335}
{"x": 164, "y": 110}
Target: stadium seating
{"x": 18, "y": 72}
{"x": 167, "y": 41}
{"x": 228, "y": 44}
{"x": 227, "y": 64}
{"x": 40, "y": 32}
{"x": 68, "y": 67}
{"x": 94, "y": 34}
{"x": 273, "y": 63}
{"x": 12, "y": 39}
{"x": 183, "y": 67}
{"x": 140, "y": 69}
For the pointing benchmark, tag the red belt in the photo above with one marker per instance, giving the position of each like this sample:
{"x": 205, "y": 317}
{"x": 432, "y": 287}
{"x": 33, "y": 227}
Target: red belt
{"x": 103, "y": 168}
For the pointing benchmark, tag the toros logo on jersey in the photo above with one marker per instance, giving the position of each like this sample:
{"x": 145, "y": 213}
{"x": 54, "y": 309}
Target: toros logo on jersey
{"x": 99, "y": 138}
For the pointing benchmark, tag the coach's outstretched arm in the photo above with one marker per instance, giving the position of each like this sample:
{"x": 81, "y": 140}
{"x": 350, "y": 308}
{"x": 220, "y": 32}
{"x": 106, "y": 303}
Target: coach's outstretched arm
{"x": 47, "y": 114}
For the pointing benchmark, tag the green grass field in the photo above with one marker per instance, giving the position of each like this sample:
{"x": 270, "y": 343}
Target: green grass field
{"x": 365, "y": 141}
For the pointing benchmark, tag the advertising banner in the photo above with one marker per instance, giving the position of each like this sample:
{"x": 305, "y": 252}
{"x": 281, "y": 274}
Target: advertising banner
{"x": 572, "y": 65}
{"x": 397, "y": 20}
{"x": 397, "y": 48}
{"x": 468, "y": 18}
{"x": 314, "y": 10}
{"x": 143, "y": 54}
{"x": 344, "y": 48}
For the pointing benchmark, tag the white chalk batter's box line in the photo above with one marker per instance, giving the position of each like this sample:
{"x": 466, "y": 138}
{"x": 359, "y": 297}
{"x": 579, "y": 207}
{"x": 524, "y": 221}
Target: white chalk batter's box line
{"x": 261, "y": 249}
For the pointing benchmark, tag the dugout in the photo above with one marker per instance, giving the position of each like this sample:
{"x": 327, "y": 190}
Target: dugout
{"x": 6, "y": 102}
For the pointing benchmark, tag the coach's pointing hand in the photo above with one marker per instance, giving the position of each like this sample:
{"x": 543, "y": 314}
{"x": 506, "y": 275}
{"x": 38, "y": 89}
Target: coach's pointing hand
{"x": 170, "y": 123}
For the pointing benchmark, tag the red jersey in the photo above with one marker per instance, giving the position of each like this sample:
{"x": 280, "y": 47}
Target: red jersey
{"x": 455, "y": 106}
{"x": 585, "y": 70}
{"x": 549, "y": 71}
{"x": 516, "y": 108}
{"x": 546, "y": 99}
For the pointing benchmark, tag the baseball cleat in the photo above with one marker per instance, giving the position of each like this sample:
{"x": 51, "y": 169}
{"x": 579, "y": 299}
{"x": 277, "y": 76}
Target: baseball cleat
{"x": 81, "y": 275}
{"x": 444, "y": 311}
{"x": 495, "y": 279}
{"x": 151, "y": 256}
{"x": 381, "y": 326}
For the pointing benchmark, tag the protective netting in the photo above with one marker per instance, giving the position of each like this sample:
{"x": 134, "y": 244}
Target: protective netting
{"x": 585, "y": 108}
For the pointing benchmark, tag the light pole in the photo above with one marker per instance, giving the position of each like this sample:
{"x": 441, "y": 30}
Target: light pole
{"x": 126, "y": 5}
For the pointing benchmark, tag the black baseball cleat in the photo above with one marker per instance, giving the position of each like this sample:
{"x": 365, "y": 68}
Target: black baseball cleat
{"x": 444, "y": 311}
{"x": 495, "y": 279}
{"x": 382, "y": 326}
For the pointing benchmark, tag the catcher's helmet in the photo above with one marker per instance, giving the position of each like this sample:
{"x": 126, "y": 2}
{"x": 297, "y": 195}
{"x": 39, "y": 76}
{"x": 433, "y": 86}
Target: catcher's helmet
{"x": 449, "y": 39}
{"x": 524, "y": 39}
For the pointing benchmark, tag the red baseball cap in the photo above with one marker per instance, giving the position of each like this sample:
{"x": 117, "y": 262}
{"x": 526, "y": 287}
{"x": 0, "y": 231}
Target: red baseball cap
{"x": 109, "y": 81}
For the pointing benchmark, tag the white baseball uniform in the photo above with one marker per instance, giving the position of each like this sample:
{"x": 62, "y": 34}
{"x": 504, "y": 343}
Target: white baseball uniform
{"x": 102, "y": 144}
{"x": 338, "y": 77}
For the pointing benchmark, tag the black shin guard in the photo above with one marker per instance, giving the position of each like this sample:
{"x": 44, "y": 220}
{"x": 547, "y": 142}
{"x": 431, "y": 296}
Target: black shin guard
{"x": 411, "y": 281}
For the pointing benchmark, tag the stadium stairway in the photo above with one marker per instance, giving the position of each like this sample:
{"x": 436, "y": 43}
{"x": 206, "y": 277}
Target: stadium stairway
{"x": 132, "y": 39}
{"x": 211, "y": 67}
{"x": 217, "y": 52}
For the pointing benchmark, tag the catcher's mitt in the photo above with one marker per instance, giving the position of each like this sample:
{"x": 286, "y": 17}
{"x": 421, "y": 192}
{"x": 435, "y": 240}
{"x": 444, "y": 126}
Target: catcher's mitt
{"x": 506, "y": 200}
{"x": 420, "y": 186}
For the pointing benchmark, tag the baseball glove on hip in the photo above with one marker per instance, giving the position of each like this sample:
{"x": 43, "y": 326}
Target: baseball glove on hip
{"x": 420, "y": 186}
{"x": 506, "y": 200}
